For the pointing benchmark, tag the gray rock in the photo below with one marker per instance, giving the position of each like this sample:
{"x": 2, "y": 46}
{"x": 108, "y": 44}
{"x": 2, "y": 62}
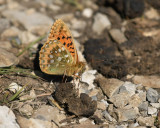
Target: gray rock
{"x": 7, "y": 118}
{"x": 126, "y": 114}
{"x": 33, "y": 21}
{"x": 7, "y": 59}
{"x": 4, "y": 24}
{"x": 87, "y": 12}
{"x": 129, "y": 87}
{"x": 109, "y": 86}
{"x": 152, "y": 110}
{"x": 78, "y": 24}
{"x": 143, "y": 106}
{"x": 107, "y": 116}
{"x": 118, "y": 36}
{"x": 152, "y": 95}
{"x": 101, "y": 22}
{"x": 145, "y": 121}
{"x": 120, "y": 100}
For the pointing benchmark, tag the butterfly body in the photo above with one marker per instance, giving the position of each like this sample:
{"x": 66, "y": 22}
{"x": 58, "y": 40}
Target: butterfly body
{"x": 58, "y": 55}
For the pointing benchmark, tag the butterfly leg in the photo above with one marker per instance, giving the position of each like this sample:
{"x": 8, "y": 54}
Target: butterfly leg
{"x": 64, "y": 80}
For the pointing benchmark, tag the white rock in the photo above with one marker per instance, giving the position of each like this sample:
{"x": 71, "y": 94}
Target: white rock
{"x": 156, "y": 105}
{"x": 152, "y": 110}
{"x": 14, "y": 87}
{"x": 87, "y": 12}
{"x": 101, "y": 22}
{"x": 88, "y": 77}
{"x": 152, "y": 14}
{"x": 7, "y": 118}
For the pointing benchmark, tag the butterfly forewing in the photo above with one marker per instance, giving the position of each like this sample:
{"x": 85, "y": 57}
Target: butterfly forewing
{"x": 60, "y": 31}
{"x": 54, "y": 58}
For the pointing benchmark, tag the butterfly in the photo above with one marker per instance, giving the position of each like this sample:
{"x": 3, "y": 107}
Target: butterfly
{"x": 58, "y": 56}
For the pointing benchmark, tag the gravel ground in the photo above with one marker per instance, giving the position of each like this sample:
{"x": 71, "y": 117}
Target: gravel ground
{"x": 119, "y": 42}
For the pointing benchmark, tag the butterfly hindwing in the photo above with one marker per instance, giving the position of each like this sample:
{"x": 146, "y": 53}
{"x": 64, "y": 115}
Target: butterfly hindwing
{"x": 55, "y": 58}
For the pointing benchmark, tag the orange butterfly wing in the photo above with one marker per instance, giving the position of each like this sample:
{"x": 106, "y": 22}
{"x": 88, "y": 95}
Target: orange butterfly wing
{"x": 60, "y": 31}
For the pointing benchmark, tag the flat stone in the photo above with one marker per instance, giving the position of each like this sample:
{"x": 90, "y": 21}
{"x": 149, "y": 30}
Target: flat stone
{"x": 156, "y": 105}
{"x": 78, "y": 24}
{"x": 5, "y": 45}
{"x": 101, "y": 22}
{"x": 10, "y": 32}
{"x": 135, "y": 100}
{"x": 27, "y": 37}
{"x": 143, "y": 106}
{"x": 149, "y": 81}
{"x": 152, "y": 95}
{"x": 49, "y": 113}
{"x": 35, "y": 123}
{"x": 89, "y": 77}
{"x": 29, "y": 20}
{"x": 109, "y": 86}
{"x": 129, "y": 87}
{"x": 120, "y": 100}
{"x": 7, "y": 118}
{"x": 117, "y": 35}
{"x": 126, "y": 114}
{"x": 152, "y": 110}
{"x": 146, "y": 121}
{"x": 7, "y": 59}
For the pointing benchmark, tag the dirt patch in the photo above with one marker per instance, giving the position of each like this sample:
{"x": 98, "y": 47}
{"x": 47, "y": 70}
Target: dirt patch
{"x": 67, "y": 95}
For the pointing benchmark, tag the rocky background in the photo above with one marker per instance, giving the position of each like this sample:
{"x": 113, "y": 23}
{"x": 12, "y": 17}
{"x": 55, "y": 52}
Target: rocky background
{"x": 119, "y": 40}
